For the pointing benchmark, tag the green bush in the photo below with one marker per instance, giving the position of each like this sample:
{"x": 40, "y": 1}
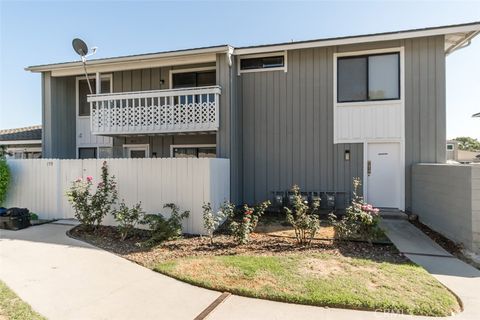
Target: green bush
{"x": 33, "y": 216}
{"x": 90, "y": 209}
{"x": 162, "y": 229}
{"x": 303, "y": 218}
{"x": 211, "y": 220}
{"x": 241, "y": 229}
{"x": 361, "y": 220}
{"x": 127, "y": 218}
{"x": 4, "y": 179}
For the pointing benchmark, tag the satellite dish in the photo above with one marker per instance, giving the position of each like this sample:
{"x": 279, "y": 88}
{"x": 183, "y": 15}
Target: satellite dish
{"x": 80, "y": 47}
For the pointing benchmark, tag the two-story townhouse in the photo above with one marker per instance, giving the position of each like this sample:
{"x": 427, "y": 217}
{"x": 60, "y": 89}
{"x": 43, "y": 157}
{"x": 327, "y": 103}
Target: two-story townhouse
{"x": 314, "y": 113}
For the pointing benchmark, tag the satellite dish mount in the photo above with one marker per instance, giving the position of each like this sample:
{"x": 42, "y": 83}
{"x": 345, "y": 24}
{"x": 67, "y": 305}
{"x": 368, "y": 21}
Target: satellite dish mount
{"x": 81, "y": 49}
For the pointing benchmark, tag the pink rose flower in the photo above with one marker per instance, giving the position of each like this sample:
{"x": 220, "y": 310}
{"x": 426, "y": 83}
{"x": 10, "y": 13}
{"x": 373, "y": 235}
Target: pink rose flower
{"x": 89, "y": 178}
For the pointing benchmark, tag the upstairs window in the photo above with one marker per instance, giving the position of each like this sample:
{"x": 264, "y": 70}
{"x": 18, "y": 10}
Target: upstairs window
{"x": 83, "y": 91}
{"x": 368, "y": 78}
{"x": 193, "y": 79}
{"x": 262, "y": 63}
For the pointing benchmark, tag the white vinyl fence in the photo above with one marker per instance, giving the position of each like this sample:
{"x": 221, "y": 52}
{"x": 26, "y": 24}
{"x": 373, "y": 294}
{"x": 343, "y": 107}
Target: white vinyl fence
{"x": 40, "y": 185}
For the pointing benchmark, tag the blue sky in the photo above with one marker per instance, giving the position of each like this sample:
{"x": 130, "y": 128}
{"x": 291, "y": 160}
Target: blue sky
{"x": 38, "y": 32}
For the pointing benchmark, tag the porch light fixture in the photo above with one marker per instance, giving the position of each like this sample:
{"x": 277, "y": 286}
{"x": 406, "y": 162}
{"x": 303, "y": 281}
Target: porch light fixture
{"x": 81, "y": 49}
{"x": 347, "y": 155}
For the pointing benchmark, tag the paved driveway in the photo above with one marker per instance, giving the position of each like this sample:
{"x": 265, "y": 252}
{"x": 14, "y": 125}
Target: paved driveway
{"x": 63, "y": 278}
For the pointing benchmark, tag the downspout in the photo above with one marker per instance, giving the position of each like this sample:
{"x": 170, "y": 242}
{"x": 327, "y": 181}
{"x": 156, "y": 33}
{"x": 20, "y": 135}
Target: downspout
{"x": 462, "y": 44}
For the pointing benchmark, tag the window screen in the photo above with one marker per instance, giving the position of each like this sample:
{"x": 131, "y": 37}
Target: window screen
{"x": 138, "y": 154}
{"x": 194, "y": 79}
{"x": 368, "y": 78}
{"x": 352, "y": 79}
{"x": 262, "y": 63}
{"x": 87, "y": 153}
{"x": 194, "y": 152}
{"x": 83, "y": 91}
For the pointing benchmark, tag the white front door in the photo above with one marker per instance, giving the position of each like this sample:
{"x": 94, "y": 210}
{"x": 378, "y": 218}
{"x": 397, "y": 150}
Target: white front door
{"x": 384, "y": 175}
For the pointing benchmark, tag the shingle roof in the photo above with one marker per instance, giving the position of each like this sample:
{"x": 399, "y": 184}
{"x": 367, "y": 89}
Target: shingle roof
{"x": 26, "y": 133}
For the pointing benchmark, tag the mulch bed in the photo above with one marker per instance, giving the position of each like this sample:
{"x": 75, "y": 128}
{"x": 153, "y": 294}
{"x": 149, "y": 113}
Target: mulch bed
{"x": 108, "y": 238}
{"x": 447, "y": 244}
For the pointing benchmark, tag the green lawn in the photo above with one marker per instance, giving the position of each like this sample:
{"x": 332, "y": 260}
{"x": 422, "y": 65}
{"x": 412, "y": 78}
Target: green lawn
{"x": 13, "y": 308}
{"x": 321, "y": 280}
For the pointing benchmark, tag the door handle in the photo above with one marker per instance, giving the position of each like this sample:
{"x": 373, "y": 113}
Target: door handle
{"x": 369, "y": 167}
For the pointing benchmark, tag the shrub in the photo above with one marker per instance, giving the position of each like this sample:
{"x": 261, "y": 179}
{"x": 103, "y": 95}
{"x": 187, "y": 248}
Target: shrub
{"x": 4, "y": 179}
{"x": 241, "y": 229}
{"x": 162, "y": 229}
{"x": 90, "y": 209}
{"x": 80, "y": 198}
{"x": 361, "y": 220}
{"x": 33, "y": 216}
{"x": 127, "y": 218}
{"x": 105, "y": 196}
{"x": 211, "y": 220}
{"x": 303, "y": 218}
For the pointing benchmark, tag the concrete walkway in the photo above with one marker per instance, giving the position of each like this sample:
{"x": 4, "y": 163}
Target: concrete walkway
{"x": 63, "y": 278}
{"x": 458, "y": 276}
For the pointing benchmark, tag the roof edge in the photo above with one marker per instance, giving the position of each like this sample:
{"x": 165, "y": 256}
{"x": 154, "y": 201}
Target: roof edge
{"x": 131, "y": 58}
{"x": 383, "y": 36}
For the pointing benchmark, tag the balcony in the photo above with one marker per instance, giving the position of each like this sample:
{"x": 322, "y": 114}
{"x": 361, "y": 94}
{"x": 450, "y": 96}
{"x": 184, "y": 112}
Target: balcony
{"x": 155, "y": 112}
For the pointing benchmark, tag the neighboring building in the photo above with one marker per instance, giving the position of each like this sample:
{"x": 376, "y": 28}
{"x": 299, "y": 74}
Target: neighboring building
{"x": 452, "y": 150}
{"x": 461, "y": 156}
{"x": 22, "y": 143}
{"x": 313, "y": 113}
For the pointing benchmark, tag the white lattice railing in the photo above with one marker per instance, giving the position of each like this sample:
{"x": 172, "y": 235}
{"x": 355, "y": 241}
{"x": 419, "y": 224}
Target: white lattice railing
{"x": 159, "y": 111}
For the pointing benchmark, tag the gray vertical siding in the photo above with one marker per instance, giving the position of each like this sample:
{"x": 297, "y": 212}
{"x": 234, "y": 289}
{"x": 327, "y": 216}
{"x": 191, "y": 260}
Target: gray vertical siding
{"x": 230, "y": 130}
{"x": 160, "y": 145}
{"x": 277, "y": 127}
{"x": 288, "y": 120}
{"x": 58, "y": 112}
{"x": 288, "y": 129}
{"x": 425, "y": 106}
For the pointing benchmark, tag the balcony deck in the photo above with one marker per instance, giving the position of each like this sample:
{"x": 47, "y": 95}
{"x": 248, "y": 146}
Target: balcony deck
{"x": 155, "y": 112}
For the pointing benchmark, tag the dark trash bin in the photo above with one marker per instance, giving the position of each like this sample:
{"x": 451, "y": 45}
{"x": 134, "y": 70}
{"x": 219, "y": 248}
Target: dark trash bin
{"x": 15, "y": 219}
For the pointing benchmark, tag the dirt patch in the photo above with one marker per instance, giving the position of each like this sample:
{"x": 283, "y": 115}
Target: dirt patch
{"x": 319, "y": 267}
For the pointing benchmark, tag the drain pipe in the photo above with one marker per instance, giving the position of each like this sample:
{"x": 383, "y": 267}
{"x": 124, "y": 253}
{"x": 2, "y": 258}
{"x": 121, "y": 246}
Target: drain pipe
{"x": 462, "y": 44}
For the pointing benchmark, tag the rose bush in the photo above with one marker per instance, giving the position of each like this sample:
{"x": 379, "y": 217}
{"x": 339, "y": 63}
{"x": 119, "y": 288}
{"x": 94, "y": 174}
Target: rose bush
{"x": 90, "y": 208}
{"x": 361, "y": 220}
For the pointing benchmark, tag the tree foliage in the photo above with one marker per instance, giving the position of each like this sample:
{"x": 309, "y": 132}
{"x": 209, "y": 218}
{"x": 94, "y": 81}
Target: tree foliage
{"x": 468, "y": 144}
{"x": 4, "y": 179}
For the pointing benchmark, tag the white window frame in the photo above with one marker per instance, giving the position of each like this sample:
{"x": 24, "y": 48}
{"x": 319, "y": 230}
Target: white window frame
{"x": 136, "y": 147}
{"x": 399, "y": 50}
{"x": 88, "y": 146}
{"x": 77, "y": 95}
{"x": 172, "y": 71}
{"x": 173, "y": 146}
{"x": 262, "y": 55}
